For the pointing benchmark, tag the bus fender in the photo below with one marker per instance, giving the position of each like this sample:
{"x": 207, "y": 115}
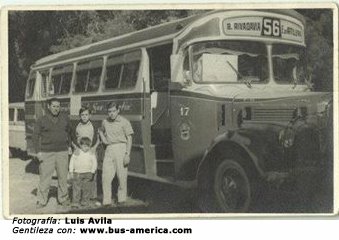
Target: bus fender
{"x": 228, "y": 143}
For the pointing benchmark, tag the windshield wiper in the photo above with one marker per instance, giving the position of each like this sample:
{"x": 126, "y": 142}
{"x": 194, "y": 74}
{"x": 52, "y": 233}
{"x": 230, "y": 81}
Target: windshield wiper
{"x": 240, "y": 76}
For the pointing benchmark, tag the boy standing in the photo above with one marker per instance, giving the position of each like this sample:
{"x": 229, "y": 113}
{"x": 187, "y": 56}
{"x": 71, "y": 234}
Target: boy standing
{"x": 85, "y": 128}
{"x": 117, "y": 135}
{"x": 82, "y": 168}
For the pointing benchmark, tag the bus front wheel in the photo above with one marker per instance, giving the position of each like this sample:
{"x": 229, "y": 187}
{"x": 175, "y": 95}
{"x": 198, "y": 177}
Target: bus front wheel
{"x": 231, "y": 187}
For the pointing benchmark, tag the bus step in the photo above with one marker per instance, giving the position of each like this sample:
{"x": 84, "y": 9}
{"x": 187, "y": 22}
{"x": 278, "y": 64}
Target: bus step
{"x": 165, "y": 167}
{"x": 163, "y": 151}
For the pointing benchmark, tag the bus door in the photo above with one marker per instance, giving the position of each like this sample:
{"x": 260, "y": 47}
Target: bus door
{"x": 34, "y": 103}
{"x": 161, "y": 138}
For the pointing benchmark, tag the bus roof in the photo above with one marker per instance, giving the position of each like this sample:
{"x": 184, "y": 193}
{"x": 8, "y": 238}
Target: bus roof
{"x": 165, "y": 31}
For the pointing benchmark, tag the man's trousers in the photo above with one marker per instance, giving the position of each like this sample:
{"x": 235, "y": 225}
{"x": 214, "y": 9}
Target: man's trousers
{"x": 113, "y": 164}
{"x": 49, "y": 162}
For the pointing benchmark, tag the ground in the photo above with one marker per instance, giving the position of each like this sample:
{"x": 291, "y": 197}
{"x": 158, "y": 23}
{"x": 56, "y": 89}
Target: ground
{"x": 148, "y": 197}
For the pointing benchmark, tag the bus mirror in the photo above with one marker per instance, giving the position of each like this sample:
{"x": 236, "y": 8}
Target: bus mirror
{"x": 176, "y": 68}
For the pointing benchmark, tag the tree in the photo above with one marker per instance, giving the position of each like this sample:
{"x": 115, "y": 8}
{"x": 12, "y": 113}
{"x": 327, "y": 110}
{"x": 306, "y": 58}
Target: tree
{"x": 319, "y": 42}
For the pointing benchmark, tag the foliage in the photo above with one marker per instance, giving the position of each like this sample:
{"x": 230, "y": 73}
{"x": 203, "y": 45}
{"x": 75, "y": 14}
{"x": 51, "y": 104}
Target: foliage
{"x": 319, "y": 42}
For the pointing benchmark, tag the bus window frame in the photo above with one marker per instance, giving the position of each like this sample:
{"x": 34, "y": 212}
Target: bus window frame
{"x": 74, "y": 77}
{"x": 137, "y": 74}
{"x": 62, "y": 74}
{"x": 18, "y": 121}
{"x": 11, "y": 121}
{"x": 45, "y": 88}
{"x": 119, "y": 78}
{"x": 266, "y": 81}
{"x": 30, "y": 90}
{"x": 298, "y": 83}
{"x": 122, "y": 63}
{"x": 154, "y": 85}
{"x": 51, "y": 81}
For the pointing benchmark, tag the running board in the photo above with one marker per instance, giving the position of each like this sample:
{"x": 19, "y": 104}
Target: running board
{"x": 171, "y": 181}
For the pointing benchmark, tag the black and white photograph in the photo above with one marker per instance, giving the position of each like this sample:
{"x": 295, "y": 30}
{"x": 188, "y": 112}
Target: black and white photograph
{"x": 163, "y": 111}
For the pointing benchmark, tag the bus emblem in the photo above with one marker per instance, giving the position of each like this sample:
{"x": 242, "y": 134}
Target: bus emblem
{"x": 185, "y": 131}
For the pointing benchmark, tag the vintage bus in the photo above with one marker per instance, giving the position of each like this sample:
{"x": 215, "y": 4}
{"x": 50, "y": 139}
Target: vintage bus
{"x": 221, "y": 101}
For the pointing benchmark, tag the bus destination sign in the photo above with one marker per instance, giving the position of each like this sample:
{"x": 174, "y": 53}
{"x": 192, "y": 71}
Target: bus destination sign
{"x": 264, "y": 27}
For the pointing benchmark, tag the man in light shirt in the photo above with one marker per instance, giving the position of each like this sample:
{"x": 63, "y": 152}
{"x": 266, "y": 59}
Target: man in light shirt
{"x": 82, "y": 168}
{"x": 116, "y": 133}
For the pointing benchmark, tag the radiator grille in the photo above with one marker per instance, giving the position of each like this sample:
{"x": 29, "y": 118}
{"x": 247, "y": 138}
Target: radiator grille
{"x": 272, "y": 114}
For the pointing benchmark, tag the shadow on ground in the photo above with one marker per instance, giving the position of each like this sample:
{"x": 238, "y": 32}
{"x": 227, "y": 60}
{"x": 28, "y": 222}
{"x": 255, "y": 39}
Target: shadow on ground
{"x": 32, "y": 166}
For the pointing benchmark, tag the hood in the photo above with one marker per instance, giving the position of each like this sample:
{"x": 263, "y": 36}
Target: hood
{"x": 262, "y": 92}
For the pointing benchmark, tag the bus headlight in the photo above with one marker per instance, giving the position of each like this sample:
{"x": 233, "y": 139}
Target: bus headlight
{"x": 300, "y": 112}
{"x": 323, "y": 108}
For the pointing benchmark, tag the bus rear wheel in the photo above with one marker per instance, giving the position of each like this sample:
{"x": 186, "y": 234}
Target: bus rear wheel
{"x": 231, "y": 187}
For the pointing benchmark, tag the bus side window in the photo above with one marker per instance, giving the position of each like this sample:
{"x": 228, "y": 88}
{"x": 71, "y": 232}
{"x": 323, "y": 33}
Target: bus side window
{"x": 61, "y": 80}
{"x": 130, "y": 74}
{"x": 66, "y": 83}
{"x": 11, "y": 114}
{"x": 112, "y": 77}
{"x": 88, "y": 76}
{"x": 160, "y": 67}
{"x": 55, "y": 84}
{"x": 20, "y": 115}
{"x": 81, "y": 77}
{"x": 122, "y": 71}
{"x": 44, "y": 82}
{"x": 94, "y": 79}
{"x": 30, "y": 85}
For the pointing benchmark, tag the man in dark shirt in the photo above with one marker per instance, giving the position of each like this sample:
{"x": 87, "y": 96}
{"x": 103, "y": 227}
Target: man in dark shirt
{"x": 51, "y": 140}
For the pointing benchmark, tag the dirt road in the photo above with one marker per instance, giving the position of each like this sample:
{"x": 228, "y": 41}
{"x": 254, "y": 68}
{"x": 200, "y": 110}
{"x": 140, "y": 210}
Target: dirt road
{"x": 145, "y": 197}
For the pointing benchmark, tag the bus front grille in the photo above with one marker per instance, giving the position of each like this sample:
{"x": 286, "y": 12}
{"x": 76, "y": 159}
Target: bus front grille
{"x": 272, "y": 114}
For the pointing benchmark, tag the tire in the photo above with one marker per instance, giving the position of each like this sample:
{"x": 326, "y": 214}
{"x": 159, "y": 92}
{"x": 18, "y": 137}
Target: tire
{"x": 231, "y": 187}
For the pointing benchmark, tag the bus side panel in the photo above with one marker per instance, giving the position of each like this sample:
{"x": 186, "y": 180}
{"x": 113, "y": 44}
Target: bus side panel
{"x": 17, "y": 137}
{"x": 132, "y": 108}
{"x": 194, "y": 126}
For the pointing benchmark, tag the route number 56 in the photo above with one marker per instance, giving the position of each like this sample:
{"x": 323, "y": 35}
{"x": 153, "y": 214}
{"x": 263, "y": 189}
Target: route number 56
{"x": 271, "y": 27}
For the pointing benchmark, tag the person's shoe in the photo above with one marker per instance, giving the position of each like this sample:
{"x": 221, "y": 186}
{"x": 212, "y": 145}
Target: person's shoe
{"x": 87, "y": 204}
{"x": 75, "y": 206}
{"x": 122, "y": 204}
{"x": 97, "y": 204}
{"x": 65, "y": 203}
{"x": 109, "y": 205}
{"x": 40, "y": 205}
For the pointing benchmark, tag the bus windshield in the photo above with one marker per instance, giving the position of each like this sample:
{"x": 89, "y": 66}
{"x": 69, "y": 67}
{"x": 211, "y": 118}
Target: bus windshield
{"x": 230, "y": 62}
{"x": 289, "y": 65}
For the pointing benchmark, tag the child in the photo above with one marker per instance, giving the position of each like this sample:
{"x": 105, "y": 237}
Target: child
{"x": 85, "y": 128}
{"x": 82, "y": 168}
